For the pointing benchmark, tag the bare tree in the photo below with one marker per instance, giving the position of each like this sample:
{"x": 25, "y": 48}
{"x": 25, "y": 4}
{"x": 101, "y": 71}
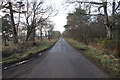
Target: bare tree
{"x": 39, "y": 14}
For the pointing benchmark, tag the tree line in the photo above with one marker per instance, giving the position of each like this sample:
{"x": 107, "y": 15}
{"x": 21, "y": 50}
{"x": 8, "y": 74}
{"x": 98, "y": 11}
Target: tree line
{"x": 25, "y": 20}
{"x": 92, "y": 20}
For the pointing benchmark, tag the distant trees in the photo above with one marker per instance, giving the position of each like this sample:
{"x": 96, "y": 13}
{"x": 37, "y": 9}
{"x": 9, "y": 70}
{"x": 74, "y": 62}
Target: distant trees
{"x": 56, "y": 34}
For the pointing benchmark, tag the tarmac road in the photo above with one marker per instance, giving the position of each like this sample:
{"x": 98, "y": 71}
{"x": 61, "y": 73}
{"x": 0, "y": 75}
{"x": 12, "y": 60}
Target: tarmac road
{"x": 62, "y": 61}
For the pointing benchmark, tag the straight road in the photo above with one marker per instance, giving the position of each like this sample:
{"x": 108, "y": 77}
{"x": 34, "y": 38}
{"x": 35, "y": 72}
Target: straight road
{"x": 62, "y": 61}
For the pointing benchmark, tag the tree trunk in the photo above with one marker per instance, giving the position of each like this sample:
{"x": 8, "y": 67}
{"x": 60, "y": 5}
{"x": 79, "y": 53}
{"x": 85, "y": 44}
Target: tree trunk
{"x": 108, "y": 27}
{"x": 15, "y": 35}
{"x": 109, "y": 33}
{"x": 46, "y": 34}
{"x": 41, "y": 34}
{"x": 4, "y": 39}
{"x": 28, "y": 33}
{"x": 113, "y": 15}
{"x": 30, "y": 30}
{"x": 32, "y": 36}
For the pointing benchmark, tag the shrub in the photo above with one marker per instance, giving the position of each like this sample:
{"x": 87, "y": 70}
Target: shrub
{"x": 8, "y": 51}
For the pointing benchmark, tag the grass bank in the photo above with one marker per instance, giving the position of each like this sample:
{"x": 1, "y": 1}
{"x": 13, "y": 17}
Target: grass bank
{"x": 16, "y": 53}
{"x": 107, "y": 61}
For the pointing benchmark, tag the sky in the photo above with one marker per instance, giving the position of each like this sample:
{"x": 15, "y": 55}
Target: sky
{"x": 60, "y": 18}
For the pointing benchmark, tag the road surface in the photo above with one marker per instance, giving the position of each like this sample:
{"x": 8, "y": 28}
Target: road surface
{"x": 62, "y": 61}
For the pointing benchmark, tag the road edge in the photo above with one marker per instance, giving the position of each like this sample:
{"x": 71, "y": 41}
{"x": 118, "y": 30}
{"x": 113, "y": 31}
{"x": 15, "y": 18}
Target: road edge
{"x": 5, "y": 65}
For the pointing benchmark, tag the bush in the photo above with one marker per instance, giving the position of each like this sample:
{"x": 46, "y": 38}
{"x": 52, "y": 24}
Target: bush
{"x": 109, "y": 47}
{"x": 8, "y": 51}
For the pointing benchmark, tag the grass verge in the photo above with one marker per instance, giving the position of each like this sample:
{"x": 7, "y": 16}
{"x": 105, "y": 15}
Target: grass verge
{"x": 107, "y": 62}
{"x": 16, "y": 54}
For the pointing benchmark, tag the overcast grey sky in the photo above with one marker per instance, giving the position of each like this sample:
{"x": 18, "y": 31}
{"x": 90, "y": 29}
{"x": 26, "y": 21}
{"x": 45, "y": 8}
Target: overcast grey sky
{"x": 60, "y": 19}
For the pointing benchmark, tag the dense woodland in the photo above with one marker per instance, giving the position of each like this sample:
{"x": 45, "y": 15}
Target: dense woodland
{"x": 95, "y": 22}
